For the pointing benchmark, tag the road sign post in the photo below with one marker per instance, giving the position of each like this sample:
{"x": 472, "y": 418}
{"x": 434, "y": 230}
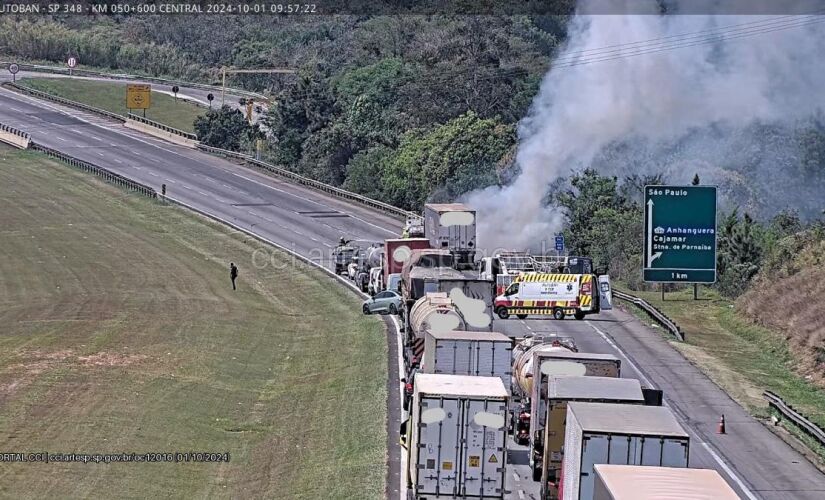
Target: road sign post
{"x": 13, "y": 69}
{"x": 680, "y": 234}
{"x": 138, "y": 96}
{"x": 559, "y": 243}
{"x": 71, "y": 63}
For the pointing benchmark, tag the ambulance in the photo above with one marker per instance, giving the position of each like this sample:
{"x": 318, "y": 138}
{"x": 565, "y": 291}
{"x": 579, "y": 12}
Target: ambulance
{"x": 557, "y": 295}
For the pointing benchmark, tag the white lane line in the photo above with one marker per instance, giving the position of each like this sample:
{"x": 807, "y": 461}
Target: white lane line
{"x": 203, "y": 194}
{"x": 516, "y": 476}
{"x": 95, "y": 137}
{"x": 117, "y": 161}
{"x": 139, "y": 168}
{"x": 61, "y": 139}
{"x": 209, "y": 179}
{"x": 99, "y": 153}
{"x": 15, "y": 109}
{"x": 153, "y": 174}
{"x": 250, "y": 212}
{"x": 170, "y": 181}
{"x": 186, "y": 187}
{"x": 521, "y": 494}
{"x": 647, "y": 382}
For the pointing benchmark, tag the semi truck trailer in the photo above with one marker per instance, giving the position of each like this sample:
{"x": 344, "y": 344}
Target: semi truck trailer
{"x": 634, "y": 482}
{"x": 600, "y": 433}
{"x": 452, "y": 226}
{"x": 455, "y": 438}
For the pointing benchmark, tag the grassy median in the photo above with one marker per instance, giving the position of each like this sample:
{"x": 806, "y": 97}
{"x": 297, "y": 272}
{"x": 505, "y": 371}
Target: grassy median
{"x": 120, "y": 333}
{"x": 111, "y": 96}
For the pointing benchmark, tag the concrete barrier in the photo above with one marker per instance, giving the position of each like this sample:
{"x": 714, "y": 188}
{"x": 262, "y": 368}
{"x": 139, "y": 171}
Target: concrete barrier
{"x": 162, "y": 132}
{"x": 16, "y": 138}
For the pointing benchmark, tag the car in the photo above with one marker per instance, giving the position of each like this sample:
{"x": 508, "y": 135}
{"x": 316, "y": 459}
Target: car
{"x": 383, "y": 302}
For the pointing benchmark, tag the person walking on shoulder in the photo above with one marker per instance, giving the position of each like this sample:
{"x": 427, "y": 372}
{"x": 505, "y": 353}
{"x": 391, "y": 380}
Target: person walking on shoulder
{"x": 233, "y": 274}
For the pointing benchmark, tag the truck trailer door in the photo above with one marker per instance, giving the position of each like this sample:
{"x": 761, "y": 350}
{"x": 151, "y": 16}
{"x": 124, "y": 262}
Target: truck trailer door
{"x": 605, "y": 293}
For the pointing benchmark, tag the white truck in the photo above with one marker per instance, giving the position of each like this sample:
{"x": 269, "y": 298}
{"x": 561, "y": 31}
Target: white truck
{"x": 468, "y": 353}
{"x": 549, "y": 446}
{"x": 452, "y": 226}
{"x": 601, "y": 433}
{"x": 455, "y": 438}
{"x": 561, "y": 364}
{"x": 634, "y": 482}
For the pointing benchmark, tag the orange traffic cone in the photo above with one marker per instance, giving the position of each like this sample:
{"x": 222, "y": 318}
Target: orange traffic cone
{"x": 721, "y": 428}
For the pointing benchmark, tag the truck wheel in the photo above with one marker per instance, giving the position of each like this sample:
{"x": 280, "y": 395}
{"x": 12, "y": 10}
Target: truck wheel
{"x": 579, "y": 315}
{"x": 366, "y": 309}
{"x": 536, "y": 474}
{"x": 558, "y": 313}
{"x": 503, "y": 313}
{"x": 521, "y": 316}
{"x": 393, "y": 309}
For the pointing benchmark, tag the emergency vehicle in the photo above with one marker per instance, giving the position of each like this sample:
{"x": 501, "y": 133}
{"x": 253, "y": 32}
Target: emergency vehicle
{"x": 559, "y": 295}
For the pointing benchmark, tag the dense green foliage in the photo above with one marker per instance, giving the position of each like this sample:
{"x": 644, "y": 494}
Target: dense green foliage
{"x": 225, "y": 128}
{"x": 393, "y": 90}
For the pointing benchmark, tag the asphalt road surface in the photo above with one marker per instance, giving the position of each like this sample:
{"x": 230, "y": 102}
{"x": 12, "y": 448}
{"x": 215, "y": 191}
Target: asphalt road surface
{"x": 753, "y": 460}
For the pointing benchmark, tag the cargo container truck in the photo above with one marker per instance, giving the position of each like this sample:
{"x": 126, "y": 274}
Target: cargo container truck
{"x": 600, "y": 433}
{"x": 455, "y": 438}
{"x": 397, "y": 252}
{"x": 468, "y": 353}
{"x": 452, "y": 227}
{"x": 547, "y": 448}
{"x": 634, "y": 482}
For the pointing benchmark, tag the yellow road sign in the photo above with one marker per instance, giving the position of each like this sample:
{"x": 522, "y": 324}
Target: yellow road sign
{"x": 138, "y": 96}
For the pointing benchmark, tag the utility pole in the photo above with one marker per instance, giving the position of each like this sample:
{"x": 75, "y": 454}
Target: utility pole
{"x": 270, "y": 71}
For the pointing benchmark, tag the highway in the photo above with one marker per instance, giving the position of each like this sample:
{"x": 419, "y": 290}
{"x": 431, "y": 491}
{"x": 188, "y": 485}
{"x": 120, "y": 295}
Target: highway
{"x": 753, "y": 460}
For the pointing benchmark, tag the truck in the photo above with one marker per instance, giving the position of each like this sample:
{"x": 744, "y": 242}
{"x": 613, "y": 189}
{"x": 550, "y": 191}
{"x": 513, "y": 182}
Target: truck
{"x": 426, "y": 267}
{"x": 452, "y": 226}
{"x": 523, "y": 377}
{"x": 455, "y": 438}
{"x": 561, "y": 364}
{"x": 504, "y": 266}
{"x": 468, "y": 353}
{"x": 559, "y": 295}
{"x": 549, "y": 446}
{"x": 636, "y": 482}
{"x": 342, "y": 256}
{"x": 601, "y": 433}
{"x": 473, "y": 297}
{"x": 399, "y": 251}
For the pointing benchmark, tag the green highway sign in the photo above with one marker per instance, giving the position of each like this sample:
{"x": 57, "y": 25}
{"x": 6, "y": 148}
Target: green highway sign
{"x": 680, "y": 234}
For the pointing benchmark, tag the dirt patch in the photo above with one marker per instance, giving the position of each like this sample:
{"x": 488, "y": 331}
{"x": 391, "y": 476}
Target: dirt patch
{"x": 110, "y": 359}
{"x": 793, "y": 306}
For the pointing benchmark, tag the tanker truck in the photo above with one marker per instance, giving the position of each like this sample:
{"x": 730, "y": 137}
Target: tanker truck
{"x": 523, "y": 377}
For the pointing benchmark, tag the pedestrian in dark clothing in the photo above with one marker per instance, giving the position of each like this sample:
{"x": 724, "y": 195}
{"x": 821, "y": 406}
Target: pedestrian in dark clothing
{"x": 233, "y": 274}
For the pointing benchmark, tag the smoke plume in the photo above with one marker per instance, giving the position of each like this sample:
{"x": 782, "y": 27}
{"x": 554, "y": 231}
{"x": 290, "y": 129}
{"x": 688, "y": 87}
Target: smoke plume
{"x": 727, "y": 109}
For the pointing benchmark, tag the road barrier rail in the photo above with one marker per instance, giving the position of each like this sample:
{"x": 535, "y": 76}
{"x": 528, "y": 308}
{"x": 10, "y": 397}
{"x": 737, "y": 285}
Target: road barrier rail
{"x": 18, "y": 139}
{"x": 161, "y": 126}
{"x": 653, "y": 312}
{"x": 99, "y": 171}
{"x": 787, "y": 411}
{"x": 62, "y": 100}
{"x": 125, "y": 76}
{"x": 306, "y": 181}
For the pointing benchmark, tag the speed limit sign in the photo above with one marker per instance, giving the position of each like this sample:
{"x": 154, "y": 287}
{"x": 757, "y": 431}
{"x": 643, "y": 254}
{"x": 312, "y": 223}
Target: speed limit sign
{"x": 14, "y": 68}
{"x": 72, "y": 62}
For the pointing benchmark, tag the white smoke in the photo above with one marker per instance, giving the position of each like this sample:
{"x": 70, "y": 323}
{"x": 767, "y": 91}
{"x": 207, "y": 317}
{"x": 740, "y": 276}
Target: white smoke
{"x": 684, "y": 96}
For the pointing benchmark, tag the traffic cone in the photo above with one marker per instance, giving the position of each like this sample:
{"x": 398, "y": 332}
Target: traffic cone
{"x": 721, "y": 428}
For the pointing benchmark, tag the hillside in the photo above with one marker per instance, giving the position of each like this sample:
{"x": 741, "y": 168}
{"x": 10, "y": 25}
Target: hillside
{"x": 791, "y": 299}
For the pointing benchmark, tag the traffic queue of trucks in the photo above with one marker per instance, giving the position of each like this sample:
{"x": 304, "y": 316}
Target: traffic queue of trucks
{"x": 467, "y": 386}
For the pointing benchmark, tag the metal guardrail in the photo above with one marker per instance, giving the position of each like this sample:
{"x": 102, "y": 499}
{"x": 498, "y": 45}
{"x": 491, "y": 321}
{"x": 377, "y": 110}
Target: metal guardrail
{"x": 124, "y": 76}
{"x": 61, "y": 100}
{"x": 165, "y": 128}
{"x": 653, "y": 312}
{"x": 299, "y": 179}
{"x": 104, "y": 173}
{"x": 787, "y": 411}
{"x": 12, "y": 130}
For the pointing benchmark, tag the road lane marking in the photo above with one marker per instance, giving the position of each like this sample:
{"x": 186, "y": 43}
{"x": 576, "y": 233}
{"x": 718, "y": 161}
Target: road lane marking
{"x": 153, "y": 174}
{"x": 186, "y": 187}
{"x": 139, "y": 168}
{"x": 171, "y": 181}
{"x": 203, "y": 194}
{"x": 117, "y": 161}
{"x": 521, "y": 494}
{"x": 61, "y": 139}
{"x": 95, "y": 137}
{"x": 647, "y": 381}
{"x": 99, "y": 153}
